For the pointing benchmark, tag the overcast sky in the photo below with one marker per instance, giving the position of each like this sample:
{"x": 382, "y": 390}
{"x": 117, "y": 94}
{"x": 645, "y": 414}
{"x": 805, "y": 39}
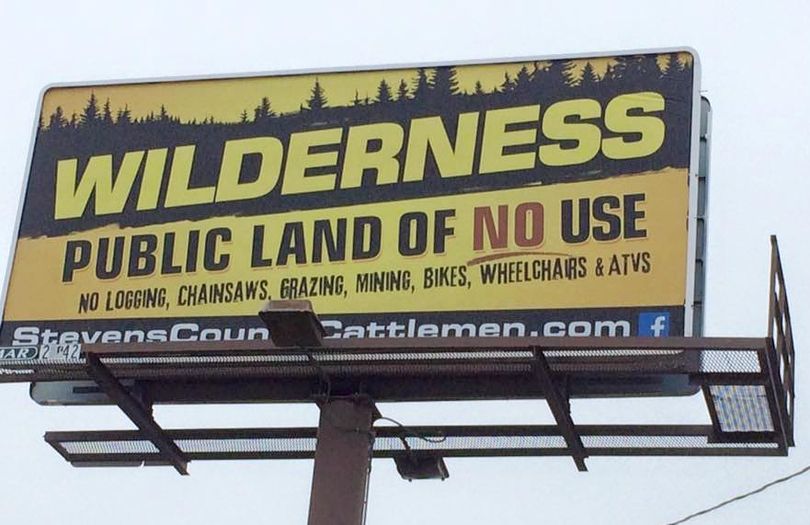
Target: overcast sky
{"x": 755, "y": 72}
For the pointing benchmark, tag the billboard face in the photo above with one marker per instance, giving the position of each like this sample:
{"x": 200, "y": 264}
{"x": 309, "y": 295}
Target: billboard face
{"x": 531, "y": 197}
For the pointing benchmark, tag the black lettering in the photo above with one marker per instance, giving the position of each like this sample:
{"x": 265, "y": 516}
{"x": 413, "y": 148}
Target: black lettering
{"x": 211, "y": 262}
{"x": 103, "y": 259}
{"x": 372, "y": 226}
{"x": 614, "y": 223}
{"x": 142, "y": 259}
{"x": 413, "y": 233}
{"x": 77, "y": 256}
{"x": 632, "y": 215}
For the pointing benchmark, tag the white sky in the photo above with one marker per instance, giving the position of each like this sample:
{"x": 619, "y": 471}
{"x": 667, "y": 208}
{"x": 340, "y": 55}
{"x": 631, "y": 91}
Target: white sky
{"x": 755, "y": 71}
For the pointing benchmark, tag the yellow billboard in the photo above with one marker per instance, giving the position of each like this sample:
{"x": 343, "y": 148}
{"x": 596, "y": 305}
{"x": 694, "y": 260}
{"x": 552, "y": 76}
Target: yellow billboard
{"x": 530, "y": 197}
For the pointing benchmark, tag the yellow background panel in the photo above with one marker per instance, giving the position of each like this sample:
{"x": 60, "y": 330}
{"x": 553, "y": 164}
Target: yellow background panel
{"x": 37, "y": 293}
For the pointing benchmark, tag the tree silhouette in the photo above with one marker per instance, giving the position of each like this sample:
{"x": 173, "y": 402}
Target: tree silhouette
{"x": 123, "y": 117}
{"x": 445, "y": 82}
{"x": 57, "y": 120}
{"x": 402, "y": 91}
{"x": 508, "y": 85}
{"x": 588, "y": 78}
{"x": 431, "y": 89}
{"x": 106, "y": 114}
{"x": 384, "y": 92}
{"x": 263, "y": 111}
{"x": 317, "y": 100}
{"x": 422, "y": 88}
{"x": 522, "y": 80}
{"x": 610, "y": 74}
{"x": 673, "y": 68}
{"x": 89, "y": 116}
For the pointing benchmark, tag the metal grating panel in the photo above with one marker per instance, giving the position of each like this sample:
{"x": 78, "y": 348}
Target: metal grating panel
{"x": 724, "y": 362}
{"x": 742, "y": 408}
{"x": 110, "y": 447}
{"x": 467, "y": 441}
{"x": 445, "y": 356}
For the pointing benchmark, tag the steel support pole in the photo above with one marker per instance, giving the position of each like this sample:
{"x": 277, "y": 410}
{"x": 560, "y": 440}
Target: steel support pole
{"x": 342, "y": 462}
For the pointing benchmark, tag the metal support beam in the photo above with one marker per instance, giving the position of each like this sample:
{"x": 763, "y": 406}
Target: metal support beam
{"x": 137, "y": 412}
{"x": 342, "y": 462}
{"x": 560, "y": 409}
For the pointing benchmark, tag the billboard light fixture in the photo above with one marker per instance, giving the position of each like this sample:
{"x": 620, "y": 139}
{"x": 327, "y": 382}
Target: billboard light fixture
{"x": 418, "y": 465}
{"x": 292, "y": 323}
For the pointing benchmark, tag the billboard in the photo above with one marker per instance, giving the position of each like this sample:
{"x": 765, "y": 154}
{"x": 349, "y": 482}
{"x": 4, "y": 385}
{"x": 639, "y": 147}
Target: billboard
{"x": 524, "y": 197}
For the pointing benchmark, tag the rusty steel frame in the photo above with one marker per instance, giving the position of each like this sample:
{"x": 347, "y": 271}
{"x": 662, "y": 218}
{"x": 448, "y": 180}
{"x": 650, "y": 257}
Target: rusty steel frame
{"x": 442, "y": 368}
{"x": 549, "y": 383}
{"x": 139, "y": 413}
{"x": 734, "y": 448}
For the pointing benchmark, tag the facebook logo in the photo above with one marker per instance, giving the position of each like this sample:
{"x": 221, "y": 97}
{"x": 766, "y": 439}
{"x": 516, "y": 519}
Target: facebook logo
{"x": 655, "y": 324}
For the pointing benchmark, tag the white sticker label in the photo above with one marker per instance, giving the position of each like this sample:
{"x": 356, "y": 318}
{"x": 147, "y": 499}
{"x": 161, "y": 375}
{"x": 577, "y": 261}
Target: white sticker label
{"x": 60, "y": 352}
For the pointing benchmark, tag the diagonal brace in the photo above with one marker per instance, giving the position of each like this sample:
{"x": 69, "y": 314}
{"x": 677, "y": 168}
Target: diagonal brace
{"x": 135, "y": 410}
{"x": 560, "y": 409}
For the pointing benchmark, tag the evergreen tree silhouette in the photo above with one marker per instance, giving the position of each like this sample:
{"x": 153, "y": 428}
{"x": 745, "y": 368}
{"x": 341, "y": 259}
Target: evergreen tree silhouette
{"x": 263, "y": 111}
{"x": 569, "y": 68}
{"x": 508, "y": 85}
{"x": 384, "y": 92}
{"x": 124, "y": 116}
{"x": 479, "y": 89}
{"x": 445, "y": 82}
{"x": 243, "y": 117}
{"x": 588, "y": 78}
{"x": 402, "y": 91}
{"x": 522, "y": 81}
{"x": 356, "y": 101}
{"x": 106, "y": 114}
{"x": 317, "y": 100}
{"x": 421, "y": 90}
{"x": 672, "y": 67}
{"x": 74, "y": 121}
{"x": 164, "y": 115}
{"x": 57, "y": 120}
{"x": 89, "y": 116}
{"x": 522, "y": 84}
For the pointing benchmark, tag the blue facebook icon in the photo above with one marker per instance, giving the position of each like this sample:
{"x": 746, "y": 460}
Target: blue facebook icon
{"x": 655, "y": 324}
